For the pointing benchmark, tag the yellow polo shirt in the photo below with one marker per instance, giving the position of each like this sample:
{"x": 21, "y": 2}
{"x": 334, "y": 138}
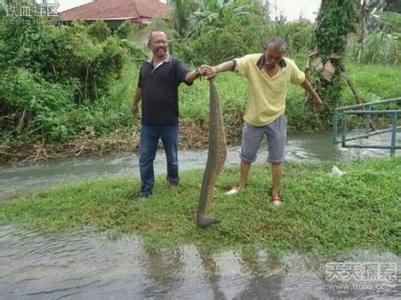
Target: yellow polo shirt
{"x": 266, "y": 95}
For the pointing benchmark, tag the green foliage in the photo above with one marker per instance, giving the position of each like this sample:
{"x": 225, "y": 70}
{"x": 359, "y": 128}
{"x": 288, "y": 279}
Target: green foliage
{"x": 391, "y": 20}
{"x": 135, "y": 53}
{"x": 124, "y": 29}
{"x": 36, "y": 106}
{"x": 297, "y": 34}
{"x": 63, "y": 53}
{"x": 335, "y": 21}
{"x": 99, "y": 30}
{"x": 61, "y": 82}
{"x": 48, "y": 70}
{"x": 393, "y": 5}
{"x": 392, "y": 23}
{"x": 379, "y": 48}
{"x": 233, "y": 31}
{"x": 220, "y": 30}
{"x": 375, "y": 82}
{"x": 300, "y": 114}
{"x": 182, "y": 11}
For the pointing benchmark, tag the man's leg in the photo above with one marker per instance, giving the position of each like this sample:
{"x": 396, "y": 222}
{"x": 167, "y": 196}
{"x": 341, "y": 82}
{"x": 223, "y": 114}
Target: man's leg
{"x": 244, "y": 174}
{"x": 276, "y": 176}
{"x": 147, "y": 149}
{"x": 169, "y": 138}
{"x": 251, "y": 138}
{"x": 276, "y": 139}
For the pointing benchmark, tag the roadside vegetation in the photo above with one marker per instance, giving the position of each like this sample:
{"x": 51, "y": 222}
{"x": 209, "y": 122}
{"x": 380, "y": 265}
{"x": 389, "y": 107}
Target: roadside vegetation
{"x": 67, "y": 90}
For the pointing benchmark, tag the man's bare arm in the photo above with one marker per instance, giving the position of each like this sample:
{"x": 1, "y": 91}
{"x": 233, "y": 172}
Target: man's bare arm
{"x": 311, "y": 91}
{"x": 211, "y": 71}
{"x": 192, "y": 75}
{"x": 137, "y": 99}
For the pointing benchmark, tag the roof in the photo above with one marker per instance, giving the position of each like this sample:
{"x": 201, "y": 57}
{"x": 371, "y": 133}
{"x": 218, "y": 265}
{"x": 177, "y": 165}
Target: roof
{"x": 117, "y": 10}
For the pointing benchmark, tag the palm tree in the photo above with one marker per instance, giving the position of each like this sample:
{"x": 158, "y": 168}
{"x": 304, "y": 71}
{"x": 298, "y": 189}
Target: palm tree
{"x": 378, "y": 14}
{"x": 182, "y": 10}
{"x": 190, "y": 15}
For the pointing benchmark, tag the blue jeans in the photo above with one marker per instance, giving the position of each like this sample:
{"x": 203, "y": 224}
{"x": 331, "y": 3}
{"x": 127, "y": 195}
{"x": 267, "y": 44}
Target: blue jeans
{"x": 150, "y": 136}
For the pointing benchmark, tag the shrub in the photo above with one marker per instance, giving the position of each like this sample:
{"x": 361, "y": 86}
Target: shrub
{"x": 50, "y": 70}
{"x": 380, "y": 48}
{"x": 31, "y": 104}
{"x": 234, "y": 31}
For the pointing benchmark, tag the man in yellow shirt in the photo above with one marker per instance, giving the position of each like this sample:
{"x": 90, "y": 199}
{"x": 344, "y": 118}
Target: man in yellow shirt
{"x": 268, "y": 75}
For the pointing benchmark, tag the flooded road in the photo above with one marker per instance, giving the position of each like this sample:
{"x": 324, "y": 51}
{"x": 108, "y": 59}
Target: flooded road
{"x": 87, "y": 265}
{"x": 19, "y": 179}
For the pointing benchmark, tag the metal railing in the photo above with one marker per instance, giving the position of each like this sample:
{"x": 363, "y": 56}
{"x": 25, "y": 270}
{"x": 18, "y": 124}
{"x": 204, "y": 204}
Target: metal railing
{"x": 366, "y": 110}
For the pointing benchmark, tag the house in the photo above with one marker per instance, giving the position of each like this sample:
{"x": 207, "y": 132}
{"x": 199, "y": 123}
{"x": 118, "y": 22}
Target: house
{"x": 114, "y": 12}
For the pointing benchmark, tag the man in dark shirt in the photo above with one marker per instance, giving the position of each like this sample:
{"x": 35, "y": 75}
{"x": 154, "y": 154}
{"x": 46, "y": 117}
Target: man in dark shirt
{"x": 158, "y": 84}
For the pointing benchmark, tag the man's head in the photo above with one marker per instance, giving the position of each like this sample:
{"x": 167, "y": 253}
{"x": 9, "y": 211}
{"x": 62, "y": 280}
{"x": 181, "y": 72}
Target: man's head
{"x": 274, "y": 51}
{"x": 158, "y": 44}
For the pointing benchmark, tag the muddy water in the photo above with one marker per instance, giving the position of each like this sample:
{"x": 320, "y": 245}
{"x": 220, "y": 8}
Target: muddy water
{"x": 87, "y": 265}
{"x": 18, "y": 179}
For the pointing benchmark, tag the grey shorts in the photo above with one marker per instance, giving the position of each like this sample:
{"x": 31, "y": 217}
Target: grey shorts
{"x": 276, "y": 133}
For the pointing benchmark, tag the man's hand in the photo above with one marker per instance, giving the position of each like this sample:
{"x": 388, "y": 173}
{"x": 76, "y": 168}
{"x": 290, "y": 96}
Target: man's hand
{"x": 207, "y": 71}
{"x": 317, "y": 102}
{"x": 135, "y": 102}
{"x": 211, "y": 72}
{"x": 135, "y": 109}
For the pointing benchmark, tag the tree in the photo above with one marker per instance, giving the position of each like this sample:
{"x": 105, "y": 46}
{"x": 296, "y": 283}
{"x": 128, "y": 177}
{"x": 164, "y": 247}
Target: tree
{"x": 222, "y": 31}
{"x": 182, "y": 10}
{"x": 336, "y": 19}
{"x": 190, "y": 15}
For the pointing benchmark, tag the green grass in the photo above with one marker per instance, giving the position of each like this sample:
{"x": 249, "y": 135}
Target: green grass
{"x": 374, "y": 82}
{"x": 321, "y": 214}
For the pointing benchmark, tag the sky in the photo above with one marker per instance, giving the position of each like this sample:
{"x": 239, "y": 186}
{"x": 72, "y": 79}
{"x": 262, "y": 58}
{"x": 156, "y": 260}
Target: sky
{"x": 66, "y": 4}
{"x": 291, "y": 9}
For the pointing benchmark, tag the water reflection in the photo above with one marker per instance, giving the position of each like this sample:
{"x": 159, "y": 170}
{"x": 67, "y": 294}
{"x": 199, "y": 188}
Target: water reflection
{"x": 87, "y": 265}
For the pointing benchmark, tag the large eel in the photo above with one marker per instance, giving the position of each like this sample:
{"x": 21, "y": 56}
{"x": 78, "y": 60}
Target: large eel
{"x": 216, "y": 157}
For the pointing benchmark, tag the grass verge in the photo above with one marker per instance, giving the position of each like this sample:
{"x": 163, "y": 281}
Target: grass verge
{"x": 321, "y": 214}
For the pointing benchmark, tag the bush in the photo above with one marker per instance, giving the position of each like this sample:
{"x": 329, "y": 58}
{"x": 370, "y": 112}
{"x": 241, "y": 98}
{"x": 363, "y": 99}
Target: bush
{"x": 297, "y": 34}
{"x": 379, "y": 49}
{"x": 31, "y": 104}
{"x": 124, "y": 30}
{"x": 99, "y": 31}
{"x": 233, "y": 32}
{"x": 49, "y": 71}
